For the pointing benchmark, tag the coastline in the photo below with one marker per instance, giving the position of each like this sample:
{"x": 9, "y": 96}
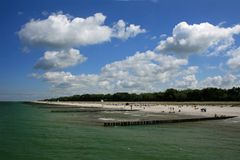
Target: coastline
{"x": 180, "y": 108}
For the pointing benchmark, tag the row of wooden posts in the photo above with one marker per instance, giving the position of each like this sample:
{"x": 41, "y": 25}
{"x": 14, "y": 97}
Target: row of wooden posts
{"x": 152, "y": 122}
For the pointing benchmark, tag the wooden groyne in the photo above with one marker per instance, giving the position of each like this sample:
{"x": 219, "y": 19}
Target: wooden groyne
{"x": 67, "y": 107}
{"x": 95, "y": 110}
{"x": 154, "y": 122}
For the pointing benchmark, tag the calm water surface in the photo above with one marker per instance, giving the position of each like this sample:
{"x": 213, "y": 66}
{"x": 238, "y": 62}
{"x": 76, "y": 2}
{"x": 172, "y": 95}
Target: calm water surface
{"x": 28, "y": 132}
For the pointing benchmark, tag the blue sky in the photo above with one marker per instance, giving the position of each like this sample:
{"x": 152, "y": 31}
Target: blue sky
{"x": 65, "y": 47}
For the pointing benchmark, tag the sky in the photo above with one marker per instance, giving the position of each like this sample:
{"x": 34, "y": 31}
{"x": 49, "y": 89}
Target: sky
{"x": 66, "y": 47}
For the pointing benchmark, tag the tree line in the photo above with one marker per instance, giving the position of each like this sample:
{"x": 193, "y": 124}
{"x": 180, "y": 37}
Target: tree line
{"x": 206, "y": 94}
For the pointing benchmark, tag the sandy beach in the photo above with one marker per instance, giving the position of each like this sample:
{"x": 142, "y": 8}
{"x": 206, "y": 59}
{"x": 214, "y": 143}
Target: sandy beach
{"x": 181, "y": 108}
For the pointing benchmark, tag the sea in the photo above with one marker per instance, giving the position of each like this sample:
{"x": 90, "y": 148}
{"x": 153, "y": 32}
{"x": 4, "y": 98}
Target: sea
{"x": 33, "y": 132}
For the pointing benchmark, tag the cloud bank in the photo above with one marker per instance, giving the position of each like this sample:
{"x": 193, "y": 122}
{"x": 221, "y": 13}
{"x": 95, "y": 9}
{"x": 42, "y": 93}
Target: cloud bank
{"x": 144, "y": 71}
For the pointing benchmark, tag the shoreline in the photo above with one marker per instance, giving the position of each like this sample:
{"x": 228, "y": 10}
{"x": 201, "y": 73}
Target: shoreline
{"x": 180, "y": 108}
{"x": 235, "y": 103}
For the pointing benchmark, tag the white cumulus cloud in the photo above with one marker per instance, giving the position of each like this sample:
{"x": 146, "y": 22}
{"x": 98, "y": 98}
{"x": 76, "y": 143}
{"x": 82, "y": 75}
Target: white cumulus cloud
{"x": 66, "y": 83}
{"x": 60, "y": 59}
{"x": 198, "y": 38}
{"x": 60, "y": 31}
{"x": 122, "y": 31}
{"x": 226, "y": 81}
{"x": 189, "y": 81}
{"x": 234, "y": 61}
{"x": 146, "y": 65}
{"x": 144, "y": 71}
{"x": 187, "y": 78}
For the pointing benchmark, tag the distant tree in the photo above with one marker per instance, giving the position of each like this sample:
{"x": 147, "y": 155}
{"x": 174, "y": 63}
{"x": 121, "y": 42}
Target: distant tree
{"x": 206, "y": 94}
{"x": 171, "y": 94}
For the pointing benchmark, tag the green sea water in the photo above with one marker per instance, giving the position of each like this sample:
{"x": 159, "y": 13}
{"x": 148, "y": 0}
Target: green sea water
{"x": 28, "y": 132}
